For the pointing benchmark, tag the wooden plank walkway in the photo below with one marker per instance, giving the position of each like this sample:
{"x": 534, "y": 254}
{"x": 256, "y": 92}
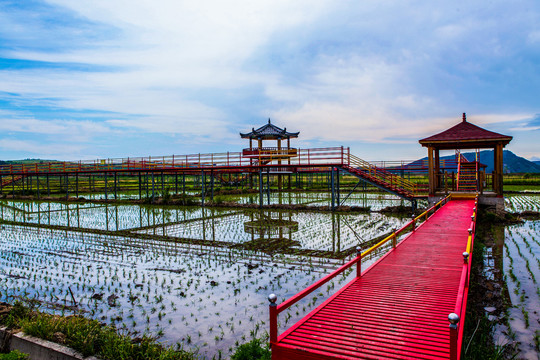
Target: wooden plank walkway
{"x": 399, "y": 307}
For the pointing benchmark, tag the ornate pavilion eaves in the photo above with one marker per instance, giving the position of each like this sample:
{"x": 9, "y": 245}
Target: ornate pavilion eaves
{"x": 269, "y": 131}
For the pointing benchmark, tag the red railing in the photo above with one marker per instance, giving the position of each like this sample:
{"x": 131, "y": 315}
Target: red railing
{"x": 270, "y": 152}
{"x": 381, "y": 174}
{"x": 276, "y": 309}
{"x": 304, "y": 157}
{"x": 456, "y": 326}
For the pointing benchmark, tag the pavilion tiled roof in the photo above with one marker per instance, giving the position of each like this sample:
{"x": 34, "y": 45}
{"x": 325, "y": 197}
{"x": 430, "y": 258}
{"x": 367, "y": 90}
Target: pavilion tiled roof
{"x": 465, "y": 132}
{"x": 269, "y": 131}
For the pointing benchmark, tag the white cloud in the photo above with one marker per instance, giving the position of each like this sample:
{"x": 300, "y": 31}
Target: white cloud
{"x": 371, "y": 71}
{"x": 56, "y": 150}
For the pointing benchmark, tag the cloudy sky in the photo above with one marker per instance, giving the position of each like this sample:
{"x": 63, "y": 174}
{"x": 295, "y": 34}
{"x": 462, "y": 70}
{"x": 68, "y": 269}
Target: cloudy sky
{"x": 112, "y": 78}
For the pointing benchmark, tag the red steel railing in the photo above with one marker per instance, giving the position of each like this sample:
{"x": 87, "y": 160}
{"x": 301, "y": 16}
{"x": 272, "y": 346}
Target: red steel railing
{"x": 303, "y": 157}
{"x": 456, "y": 326}
{"x": 247, "y": 160}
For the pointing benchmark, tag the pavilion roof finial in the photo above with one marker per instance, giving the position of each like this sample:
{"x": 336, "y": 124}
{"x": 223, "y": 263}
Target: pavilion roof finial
{"x": 269, "y": 120}
{"x": 464, "y": 117}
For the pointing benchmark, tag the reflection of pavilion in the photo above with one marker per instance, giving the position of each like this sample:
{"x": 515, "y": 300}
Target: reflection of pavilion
{"x": 270, "y": 231}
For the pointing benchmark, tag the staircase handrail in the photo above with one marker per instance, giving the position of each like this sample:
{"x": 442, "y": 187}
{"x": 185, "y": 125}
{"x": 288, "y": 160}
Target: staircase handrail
{"x": 382, "y": 174}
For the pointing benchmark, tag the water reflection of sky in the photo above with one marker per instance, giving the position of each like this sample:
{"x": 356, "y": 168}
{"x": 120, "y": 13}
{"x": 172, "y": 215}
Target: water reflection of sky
{"x": 326, "y": 231}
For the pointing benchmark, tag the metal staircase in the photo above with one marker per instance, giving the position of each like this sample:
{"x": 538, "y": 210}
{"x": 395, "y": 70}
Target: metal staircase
{"x": 467, "y": 175}
{"x": 380, "y": 178}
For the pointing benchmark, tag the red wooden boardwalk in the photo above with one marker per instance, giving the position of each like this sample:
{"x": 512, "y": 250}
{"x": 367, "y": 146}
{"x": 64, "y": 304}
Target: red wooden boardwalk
{"x": 399, "y": 307}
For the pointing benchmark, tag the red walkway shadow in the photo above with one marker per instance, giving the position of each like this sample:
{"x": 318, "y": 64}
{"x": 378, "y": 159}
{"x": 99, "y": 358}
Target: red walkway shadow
{"x": 399, "y": 307}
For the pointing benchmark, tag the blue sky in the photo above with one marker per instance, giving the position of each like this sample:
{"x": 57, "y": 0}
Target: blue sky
{"x": 117, "y": 78}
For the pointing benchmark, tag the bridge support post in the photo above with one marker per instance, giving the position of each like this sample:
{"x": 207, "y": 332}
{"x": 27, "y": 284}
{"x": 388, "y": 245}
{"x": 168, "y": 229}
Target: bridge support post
{"x": 359, "y": 263}
{"x": 115, "y": 185}
{"x": 466, "y": 262}
{"x": 140, "y": 188}
{"x": 338, "y": 202}
{"x": 76, "y": 184}
{"x": 454, "y": 320}
{"x": 260, "y": 189}
{"x": 212, "y": 185}
{"x": 332, "y": 190}
{"x": 268, "y": 185}
{"x": 153, "y": 186}
{"x": 272, "y": 298}
{"x": 162, "y": 184}
{"x": 48, "y": 187}
{"x": 203, "y": 181}
{"x": 106, "y": 194}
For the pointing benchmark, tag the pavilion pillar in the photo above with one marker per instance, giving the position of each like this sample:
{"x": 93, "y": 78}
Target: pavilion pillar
{"x": 250, "y": 176}
{"x": 430, "y": 171}
{"x": 498, "y": 169}
{"x": 437, "y": 171}
{"x": 280, "y": 179}
{"x": 289, "y": 159}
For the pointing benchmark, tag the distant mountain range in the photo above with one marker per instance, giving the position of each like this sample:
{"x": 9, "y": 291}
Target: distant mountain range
{"x": 512, "y": 162}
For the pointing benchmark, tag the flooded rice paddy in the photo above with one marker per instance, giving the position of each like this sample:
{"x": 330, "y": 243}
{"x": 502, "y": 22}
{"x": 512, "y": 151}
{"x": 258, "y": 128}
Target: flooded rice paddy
{"x": 197, "y": 276}
{"x": 521, "y": 266}
{"x": 521, "y": 203}
{"x": 201, "y": 276}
